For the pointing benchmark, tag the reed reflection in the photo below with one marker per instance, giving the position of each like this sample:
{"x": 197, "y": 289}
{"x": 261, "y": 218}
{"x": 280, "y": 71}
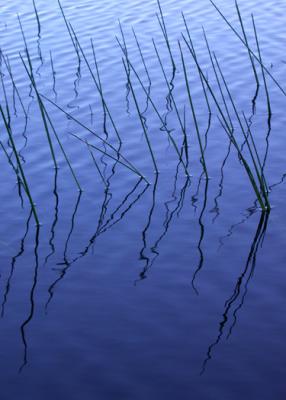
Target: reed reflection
{"x": 201, "y": 237}
{"x": 236, "y": 301}
{"x": 55, "y": 221}
{"x": 178, "y": 200}
{"x": 65, "y": 261}
{"x": 27, "y": 321}
{"x": 13, "y": 265}
{"x": 122, "y": 209}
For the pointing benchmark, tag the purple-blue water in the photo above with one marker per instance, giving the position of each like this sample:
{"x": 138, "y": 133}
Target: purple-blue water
{"x": 132, "y": 291}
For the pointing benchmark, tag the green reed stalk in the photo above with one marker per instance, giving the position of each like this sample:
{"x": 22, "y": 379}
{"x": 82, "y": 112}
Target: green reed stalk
{"x": 97, "y": 86}
{"x": 185, "y": 141}
{"x": 202, "y": 159}
{"x": 97, "y": 167}
{"x": 246, "y": 167}
{"x": 259, "y": 172}
{"x": 246, "y": 42}
{"x": 37, "y": 17}
{"x": 262, "y": 69}
{"x": 165, "y": 34}
{"x": 229, "y": 131}
{"x": 193, "y": 48}
{"x": 251, "y": 52}
{"x": 157, "y": 113}
{"x": 9, "y": 69}
{"x": 19, "y": 165}
{"x": 69, "y": 31}
{"x": 5, "y": 98}
{"x": 110, "y": 156}
{"x": 141, "y": 120}
{"x": 41, "y": 106}
{"x": 46, "y": 119}
{"x": 130, "y": 165}
{"x": 142, "y": 56}
{"x": 217, "y": 79}
{"x": 62, "y": 148}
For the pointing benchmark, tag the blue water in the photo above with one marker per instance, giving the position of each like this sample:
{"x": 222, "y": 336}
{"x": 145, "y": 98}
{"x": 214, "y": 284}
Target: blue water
{"x": 127, "y": 290}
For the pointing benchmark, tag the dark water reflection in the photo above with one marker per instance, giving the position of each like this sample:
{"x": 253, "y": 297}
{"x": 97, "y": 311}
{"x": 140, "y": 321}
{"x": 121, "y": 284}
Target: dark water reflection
{"x": 166, "y": 285}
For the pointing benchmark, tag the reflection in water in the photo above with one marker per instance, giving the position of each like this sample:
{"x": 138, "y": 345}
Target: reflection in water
{"x": 53, "y": 227}
{"x": 277, "y": 183}
{"x": 146, "y": 71}
{"x": 65, "y": 255}
{"x": 249, "y": 212}
{"x": 125, "y": 52}
{"x": 160, "y": 216}
{"x": 54, "y": 76}
{"x": 32, "y": 301}
{"x": 72, "y": 103}
{"x": 267, "y": 142}
{"x": 201, "y": 238}
{"x": 101, "y": 228}
{"x": 235, "y": 302}
{"x": 13, "y": 263}
{"x": 111, "y": 221}
{"x": 216, "y": 209}
{"x": 163, "y": 27}
{"x": 142, "y": 255}
{"x": 15, "y": 89}
{"x": 168, "y": 219}
{"x": 169, "y": 106}
{"x": 179, "y": 202}
{"x": 100, "y": 88}
{"x": 38, "y": 19}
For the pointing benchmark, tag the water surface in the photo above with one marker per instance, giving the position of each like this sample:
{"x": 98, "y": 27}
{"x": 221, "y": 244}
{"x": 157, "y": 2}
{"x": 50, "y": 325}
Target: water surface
{"x": 128, "y": 290}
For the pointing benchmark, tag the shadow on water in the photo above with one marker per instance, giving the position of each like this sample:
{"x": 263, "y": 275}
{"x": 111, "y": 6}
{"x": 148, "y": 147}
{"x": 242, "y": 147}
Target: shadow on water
{"x": 236, "y": 301}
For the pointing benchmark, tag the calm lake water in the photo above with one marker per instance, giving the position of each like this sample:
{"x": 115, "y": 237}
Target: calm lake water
{"x": 173, "y": 290}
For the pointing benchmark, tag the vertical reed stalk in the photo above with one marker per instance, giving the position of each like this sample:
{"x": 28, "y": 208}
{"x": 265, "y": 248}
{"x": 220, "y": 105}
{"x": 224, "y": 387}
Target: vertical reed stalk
{"x": 202, "y": 159}
{"x": 19, "y": 165}
{"x": 140, "y": 118}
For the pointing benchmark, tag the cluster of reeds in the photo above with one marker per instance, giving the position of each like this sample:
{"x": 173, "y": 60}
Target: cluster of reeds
{"x": 217, "y": 94}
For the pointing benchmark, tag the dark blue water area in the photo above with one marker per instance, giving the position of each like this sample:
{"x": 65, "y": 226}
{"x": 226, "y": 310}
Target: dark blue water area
{"x": 142, "y": 286}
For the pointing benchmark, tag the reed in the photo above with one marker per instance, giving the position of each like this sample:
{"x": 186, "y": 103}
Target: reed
{"x": 252, "y": 150}
{"x": 202, "y": 159}
{"x": 247, "y": 45}
{"x": 262, "y": 69}
{"x": 19, "y": 165}
{"x": 218, "y": 81}
{"x": 37, "y": 17}
{"x": 98, "y": 86}
{"x": 182, "y": 126}
{"x": 249, "y": 49}
{"x": 141, "y": 119}
{"x": 165, "y": 34}
{"x": 9, "y": 69}
{"x": 165, "y": 129}
{"x": 127, "y": 163}
{"x": 109, "y": 155}
{"x": 227, "y": 127}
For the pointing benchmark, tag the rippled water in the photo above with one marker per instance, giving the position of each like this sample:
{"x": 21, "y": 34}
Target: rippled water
{"x": 127, "y": 290}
